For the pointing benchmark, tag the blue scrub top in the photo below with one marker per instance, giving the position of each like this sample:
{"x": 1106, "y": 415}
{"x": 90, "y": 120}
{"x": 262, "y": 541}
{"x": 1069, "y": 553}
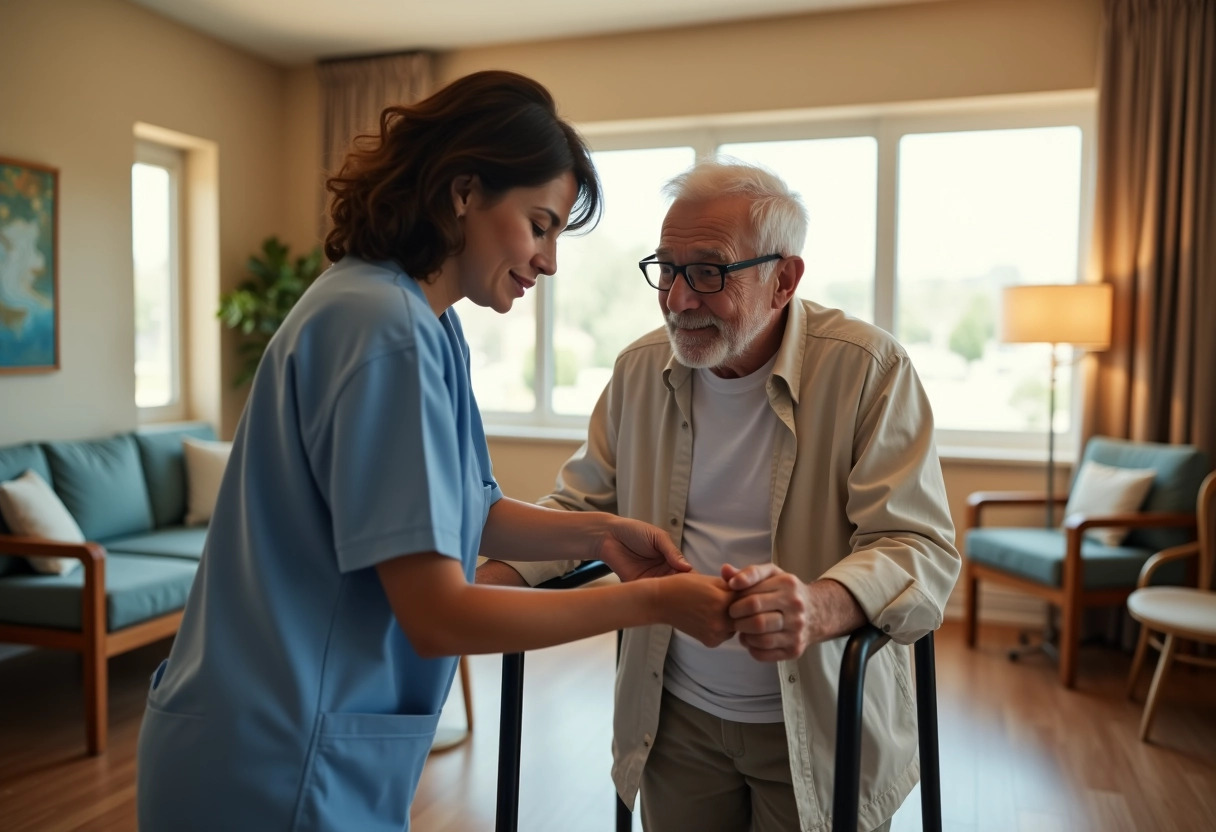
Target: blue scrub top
{"x": 291, "y": 698}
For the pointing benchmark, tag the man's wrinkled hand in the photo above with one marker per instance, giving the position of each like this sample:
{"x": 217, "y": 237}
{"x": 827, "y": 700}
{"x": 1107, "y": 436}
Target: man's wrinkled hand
{"x": 772, "y": 612}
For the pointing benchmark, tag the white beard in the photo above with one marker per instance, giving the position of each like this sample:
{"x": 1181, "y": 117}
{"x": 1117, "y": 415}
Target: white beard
{"x": 732, "y": 340}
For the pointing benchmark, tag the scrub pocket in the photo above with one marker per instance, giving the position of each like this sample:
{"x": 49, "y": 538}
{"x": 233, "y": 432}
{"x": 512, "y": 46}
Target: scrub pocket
{"x": 363, "y": 770}
{"x": 173, "y": 763}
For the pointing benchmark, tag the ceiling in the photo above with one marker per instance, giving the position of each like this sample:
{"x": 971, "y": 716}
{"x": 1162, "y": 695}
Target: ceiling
{"x": 293, "y": 32}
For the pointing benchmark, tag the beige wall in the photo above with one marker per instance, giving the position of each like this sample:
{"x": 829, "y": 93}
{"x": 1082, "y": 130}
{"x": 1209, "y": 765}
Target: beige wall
{"x": 77, "y": 76}
{"x": 950, "y": 49}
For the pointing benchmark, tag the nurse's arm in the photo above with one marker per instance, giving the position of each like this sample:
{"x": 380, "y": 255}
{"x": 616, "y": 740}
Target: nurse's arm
{"x": 525, "y": 532}
{"x": 444, "y": 615}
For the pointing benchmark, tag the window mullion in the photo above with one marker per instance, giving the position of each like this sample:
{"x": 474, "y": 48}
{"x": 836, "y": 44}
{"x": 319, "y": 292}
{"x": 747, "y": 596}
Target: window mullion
{"x": 545, "y": 363}
{"x": 886, "y": 233}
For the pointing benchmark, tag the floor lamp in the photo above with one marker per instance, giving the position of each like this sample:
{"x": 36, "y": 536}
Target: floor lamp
{"x": 1076, "y": 314}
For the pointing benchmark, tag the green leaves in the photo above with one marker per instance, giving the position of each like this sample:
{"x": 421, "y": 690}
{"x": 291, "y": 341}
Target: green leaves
{"x": 259, "y": 304}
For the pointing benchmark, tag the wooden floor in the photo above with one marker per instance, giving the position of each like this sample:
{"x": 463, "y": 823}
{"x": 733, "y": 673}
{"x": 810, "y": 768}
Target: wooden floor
{"x": 1019, "y": 754}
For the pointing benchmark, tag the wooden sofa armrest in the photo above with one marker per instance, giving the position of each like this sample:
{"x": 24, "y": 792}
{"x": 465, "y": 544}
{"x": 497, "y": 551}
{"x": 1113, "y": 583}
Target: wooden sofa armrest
{"x": 15, "y": 546}
{"x": 1186, "y": 550}
{"x": 978, "y": 500}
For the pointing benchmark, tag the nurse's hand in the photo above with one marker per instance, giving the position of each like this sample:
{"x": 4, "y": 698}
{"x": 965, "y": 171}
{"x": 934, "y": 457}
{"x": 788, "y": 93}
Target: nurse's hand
{"x": 698, "y": 605}
{"x": 634, "y": 549}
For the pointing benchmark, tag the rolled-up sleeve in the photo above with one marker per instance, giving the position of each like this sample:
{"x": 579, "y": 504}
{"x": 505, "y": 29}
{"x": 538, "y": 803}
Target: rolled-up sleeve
{"x": 904, "y": 563}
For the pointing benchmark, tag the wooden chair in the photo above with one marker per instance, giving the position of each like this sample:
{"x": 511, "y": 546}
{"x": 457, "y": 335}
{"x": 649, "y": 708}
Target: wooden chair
{"x": 1176, "y": 612}
{"x": 1063, "y": 566}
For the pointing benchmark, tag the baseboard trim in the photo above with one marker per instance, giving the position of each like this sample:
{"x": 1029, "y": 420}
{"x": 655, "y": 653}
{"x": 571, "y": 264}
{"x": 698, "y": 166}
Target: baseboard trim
{"x": 1001, "y": 606}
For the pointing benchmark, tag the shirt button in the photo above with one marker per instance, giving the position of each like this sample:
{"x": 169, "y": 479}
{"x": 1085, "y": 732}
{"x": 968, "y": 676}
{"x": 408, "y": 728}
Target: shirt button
{"x": 646, "y": 740}
{"x": 886, "y": 628}
{"x": 793, "y": 678}
{"x": 685, "y": 426}
{"x": 673, "y": 521}
{"x": 654, "y": 673}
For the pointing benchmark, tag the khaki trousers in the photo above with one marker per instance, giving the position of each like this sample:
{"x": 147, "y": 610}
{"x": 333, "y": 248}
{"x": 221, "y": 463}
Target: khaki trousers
{"x": 715, "y": 775}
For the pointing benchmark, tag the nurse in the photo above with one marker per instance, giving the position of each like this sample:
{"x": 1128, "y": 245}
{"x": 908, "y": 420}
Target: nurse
{"x": 319, "y": 640}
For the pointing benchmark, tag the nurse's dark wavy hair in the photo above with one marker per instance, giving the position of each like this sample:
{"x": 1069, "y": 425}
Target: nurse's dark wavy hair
{"x": 392, "y": 199}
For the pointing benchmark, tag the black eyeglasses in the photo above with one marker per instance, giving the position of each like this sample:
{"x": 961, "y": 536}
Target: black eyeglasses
{"x": 705, "y": 278}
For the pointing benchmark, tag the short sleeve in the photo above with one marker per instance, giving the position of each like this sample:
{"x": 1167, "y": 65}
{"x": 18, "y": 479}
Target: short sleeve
{"x": 390, "y": 463}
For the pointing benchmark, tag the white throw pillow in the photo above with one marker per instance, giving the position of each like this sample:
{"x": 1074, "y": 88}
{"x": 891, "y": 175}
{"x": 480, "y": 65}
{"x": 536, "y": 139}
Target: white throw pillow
{"x": 32, "y": 509}
{"x": 1104, "y": 489}
{"x": 205, "y": 463}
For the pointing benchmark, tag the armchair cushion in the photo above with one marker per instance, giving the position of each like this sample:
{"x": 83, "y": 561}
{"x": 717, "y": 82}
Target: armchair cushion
{"x": 1179, "y": 468}
{"x": 1038, "y": 555}
{"x": 1104, "y": 490}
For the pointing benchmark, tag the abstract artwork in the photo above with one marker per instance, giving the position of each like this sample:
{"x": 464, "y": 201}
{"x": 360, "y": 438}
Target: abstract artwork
{"x": 29, "y": 264}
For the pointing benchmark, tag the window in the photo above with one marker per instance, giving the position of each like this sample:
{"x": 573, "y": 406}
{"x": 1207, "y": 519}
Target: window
{"x": 918, "y": 218}
{"x": 156, "y": 231}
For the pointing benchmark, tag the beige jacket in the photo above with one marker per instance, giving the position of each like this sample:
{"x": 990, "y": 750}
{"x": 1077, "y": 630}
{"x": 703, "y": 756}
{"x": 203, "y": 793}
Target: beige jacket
{"x": 856, "y": 496}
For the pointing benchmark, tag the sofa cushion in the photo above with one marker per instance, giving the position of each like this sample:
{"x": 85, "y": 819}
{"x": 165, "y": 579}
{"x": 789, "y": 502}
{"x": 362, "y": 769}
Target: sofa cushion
{"x": 137, "y": 588}
{"x": 160, "y": 453}
{"x": 32, "y": 509}
{"x": 1038, "y": 555}
{"x": 173, "y": 542}
{"x": 205, "y": 464}
{"x": 15, "y": 460}
{"x": 102, "y": 483}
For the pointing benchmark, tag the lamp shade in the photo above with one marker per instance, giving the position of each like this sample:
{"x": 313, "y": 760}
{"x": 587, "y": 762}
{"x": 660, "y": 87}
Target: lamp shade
{"x": 1058, "y": 313}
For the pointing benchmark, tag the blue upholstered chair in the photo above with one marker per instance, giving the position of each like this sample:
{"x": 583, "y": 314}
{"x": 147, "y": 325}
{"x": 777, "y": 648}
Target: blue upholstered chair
{"x": 1069, "y": 569}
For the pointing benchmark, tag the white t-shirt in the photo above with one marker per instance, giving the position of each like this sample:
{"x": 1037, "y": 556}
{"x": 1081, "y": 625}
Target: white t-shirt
{"x": 727, "y": 521}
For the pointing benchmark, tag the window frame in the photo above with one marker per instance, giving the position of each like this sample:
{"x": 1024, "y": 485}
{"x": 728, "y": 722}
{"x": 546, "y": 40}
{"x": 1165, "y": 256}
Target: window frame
{"x": 173, "y": 160}
{"x": 887, "y": 124}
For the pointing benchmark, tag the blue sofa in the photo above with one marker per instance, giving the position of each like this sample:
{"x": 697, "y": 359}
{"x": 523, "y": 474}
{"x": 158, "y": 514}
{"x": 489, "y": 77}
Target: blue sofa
{"x": 128, "y": 495}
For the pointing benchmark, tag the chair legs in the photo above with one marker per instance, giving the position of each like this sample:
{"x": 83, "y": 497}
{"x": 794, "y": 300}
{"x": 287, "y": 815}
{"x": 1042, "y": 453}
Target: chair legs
{"x": 467, "y": 686}
{"x": 971, "y": 605}
{"x": 1137, "y": 662}
{"x": 1154, "y": 691}
{"x": 1070, "y": 643}
{"x": 449, "y": 737}
{"x": 96, "y": 688}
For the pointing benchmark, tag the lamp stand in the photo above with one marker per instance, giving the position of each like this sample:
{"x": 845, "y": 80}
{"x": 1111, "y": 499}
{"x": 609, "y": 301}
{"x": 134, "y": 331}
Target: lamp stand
{"x": 1051, "y": 439}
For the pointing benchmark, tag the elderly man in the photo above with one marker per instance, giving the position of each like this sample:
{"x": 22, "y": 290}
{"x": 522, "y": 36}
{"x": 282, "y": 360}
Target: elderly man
{"x": 790, "y": 448}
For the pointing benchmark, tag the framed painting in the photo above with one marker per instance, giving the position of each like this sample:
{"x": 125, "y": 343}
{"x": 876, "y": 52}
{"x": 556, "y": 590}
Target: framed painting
{"x": 29, "y": 267}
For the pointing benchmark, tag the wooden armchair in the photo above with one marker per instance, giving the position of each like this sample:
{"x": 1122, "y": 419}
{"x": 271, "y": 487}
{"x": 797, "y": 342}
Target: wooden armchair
{"x": 1064, "y": 566}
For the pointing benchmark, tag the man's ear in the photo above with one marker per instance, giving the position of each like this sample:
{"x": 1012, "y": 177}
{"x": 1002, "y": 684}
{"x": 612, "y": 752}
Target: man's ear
{"x": 787, "y": 276}
{"x": 463, "y": 188}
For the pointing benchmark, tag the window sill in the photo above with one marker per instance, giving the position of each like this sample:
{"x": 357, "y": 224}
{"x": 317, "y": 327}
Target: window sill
{"x": 537, "y": 433}
{"x": 1012, "y": 457}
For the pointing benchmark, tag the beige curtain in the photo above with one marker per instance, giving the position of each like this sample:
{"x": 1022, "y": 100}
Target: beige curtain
{"x": 353, "y": 93}
{"x": 1155, "y": 222}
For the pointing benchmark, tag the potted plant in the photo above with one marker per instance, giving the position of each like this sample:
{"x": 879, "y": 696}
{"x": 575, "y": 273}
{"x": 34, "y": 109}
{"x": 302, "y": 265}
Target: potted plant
{"x": 258, "y": 305}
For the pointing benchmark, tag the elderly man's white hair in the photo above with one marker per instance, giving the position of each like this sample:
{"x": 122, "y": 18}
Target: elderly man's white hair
{"x": 778, "y": 217}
